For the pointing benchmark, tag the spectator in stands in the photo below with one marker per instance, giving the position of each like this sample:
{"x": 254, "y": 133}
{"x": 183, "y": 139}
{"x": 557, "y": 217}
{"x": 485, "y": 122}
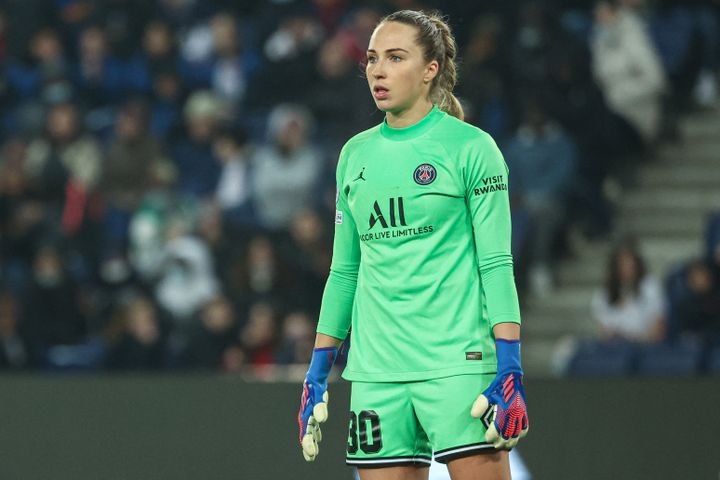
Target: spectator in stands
{"x": 45, "y": 74}
{"x": 707, "y": 21}
{"x": 65, "y": 168}
{"x": 231, "y": 66}
{"x": 260, "y": 275}
{"x": 712, "y": 245}
{"x": 100, "y": 77}
{"x": 227, "y": 245}
{"x": 355, "y": 33}
{"x": 67, "y": 155}
{"x": 212, "y": 336}
{"x": 13, "y": 350}
{"x": 158, "y": 55}
{"x": 542, "y": 162}
{"x": 147, "y": 237}
{"x": 287, "y": 53}
{"x": 213, "y": 57}
{"x": 134, "y": 164}
{"x": 678, "y": 43}
{"x": 182, "y": 14}
{"x": 234, "y": 359}
{"x": 698, "y": 311}
{"x": 627, "y": 68}
{"x": 253, "y": 217}
{"x": 198, "y": 168}
{"x": 535, "y": 45}
{"x": 27, "y": 19}
{"x": 631, "y": 305}
{"x": 258, "y": 336}
{"x": 167, "y": 94}
{"x": 141, "y": 344}
{"x": 335, "y": 96}
{"x": 485, "y": 80}
{"x": 187, "y": 278}
{"x": 297, "y": 339}
{"x": 605, "y": 145}
{"x": 22, "y": 217}
{"x": 161, "y": 217}
{"x": 51, "y": 310}
{"x": 309, "y": 255}
{"x": 122, "y": 21}
{"x": 287, "y": 169}
{"x": 234, "y": 191}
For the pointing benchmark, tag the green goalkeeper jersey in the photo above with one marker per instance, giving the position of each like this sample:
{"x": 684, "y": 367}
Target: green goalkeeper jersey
{"x": 421, "y": 266}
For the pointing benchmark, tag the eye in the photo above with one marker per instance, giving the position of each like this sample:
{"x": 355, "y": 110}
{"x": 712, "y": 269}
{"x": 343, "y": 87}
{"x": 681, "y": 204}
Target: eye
{"x": 395, "y": 58}
{"x": 371, "y": 59}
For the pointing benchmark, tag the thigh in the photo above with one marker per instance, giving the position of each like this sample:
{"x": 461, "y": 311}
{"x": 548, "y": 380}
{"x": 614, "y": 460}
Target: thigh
{"x": 443, "y": 409}
{"x": 383, "y": 428}
{"x": 489, "y": 466}
{"x": 394, "y": 473}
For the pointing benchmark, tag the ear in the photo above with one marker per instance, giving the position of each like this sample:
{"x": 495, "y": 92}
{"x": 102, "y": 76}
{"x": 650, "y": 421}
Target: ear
{"x": 431, "y": 71}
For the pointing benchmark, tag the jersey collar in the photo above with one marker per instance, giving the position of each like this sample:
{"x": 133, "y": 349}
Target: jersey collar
{"x": 413, "y": 131}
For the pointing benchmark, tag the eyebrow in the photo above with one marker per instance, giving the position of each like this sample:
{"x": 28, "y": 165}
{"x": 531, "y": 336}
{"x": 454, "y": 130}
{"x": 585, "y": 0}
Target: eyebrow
{"x": 370, "y": 50}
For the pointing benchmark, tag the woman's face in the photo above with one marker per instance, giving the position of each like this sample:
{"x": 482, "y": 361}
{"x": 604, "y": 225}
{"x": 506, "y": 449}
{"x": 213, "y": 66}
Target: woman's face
{"x": 225, "y": 38}
{"x": 142, "y": 322}
{"x": 218, "y": 316}
{"x": 627, "y": 267}
{"x": 157, "y": 40}
{"x": 605, "y": 14}
{"x": 397, "y": 73}
{"x": 62, "y": 123}
{"x": 93, "y": 43}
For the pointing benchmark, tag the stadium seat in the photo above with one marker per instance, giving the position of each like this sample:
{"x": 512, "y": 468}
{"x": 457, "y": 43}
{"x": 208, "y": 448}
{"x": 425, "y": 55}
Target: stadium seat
{"x": 676, "y": 289}
{"x": 603, "y": 359}
{"x": 681, "y": 358}
{"x": 713, "y": 361}
{"x": 712, "y": 235}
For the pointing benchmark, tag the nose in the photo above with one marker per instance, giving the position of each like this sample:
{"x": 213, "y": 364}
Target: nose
{"x": 377, "y": 70}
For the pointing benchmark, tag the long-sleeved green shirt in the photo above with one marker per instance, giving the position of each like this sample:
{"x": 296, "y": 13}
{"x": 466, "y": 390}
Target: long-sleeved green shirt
{"x": 421, "y": 265}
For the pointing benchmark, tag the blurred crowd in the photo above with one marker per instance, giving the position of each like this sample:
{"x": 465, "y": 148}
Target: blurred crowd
{"x": 167, "y": 167}
{"x": 650, "y": 324}
{"x": 638, "y": 306}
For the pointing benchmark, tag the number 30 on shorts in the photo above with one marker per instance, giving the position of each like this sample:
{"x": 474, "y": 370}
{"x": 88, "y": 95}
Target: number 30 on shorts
{"x": 359, "y": 431}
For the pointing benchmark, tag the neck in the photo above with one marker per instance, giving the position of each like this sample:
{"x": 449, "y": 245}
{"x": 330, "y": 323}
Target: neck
{"x": 409, "y": 116}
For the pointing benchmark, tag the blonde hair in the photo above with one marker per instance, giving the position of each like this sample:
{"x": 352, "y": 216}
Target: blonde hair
{"x": 438, "y": 43}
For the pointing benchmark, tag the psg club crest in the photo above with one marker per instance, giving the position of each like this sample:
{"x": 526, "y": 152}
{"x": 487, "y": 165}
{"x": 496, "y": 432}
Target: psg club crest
{"x": 424, "y": 174}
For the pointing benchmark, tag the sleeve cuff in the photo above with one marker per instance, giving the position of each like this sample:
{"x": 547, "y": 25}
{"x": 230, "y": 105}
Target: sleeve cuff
{"x": 332, "y": 331}
{"x": 505, "y": 318}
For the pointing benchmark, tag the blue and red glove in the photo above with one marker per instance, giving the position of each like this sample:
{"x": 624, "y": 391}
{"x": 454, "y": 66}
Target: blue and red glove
{"x": 314, "y": 400}
{"x": 507, "y": 397}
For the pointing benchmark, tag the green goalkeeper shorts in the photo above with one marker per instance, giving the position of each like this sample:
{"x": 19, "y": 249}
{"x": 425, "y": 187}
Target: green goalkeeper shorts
{"x": 404, "y": 423}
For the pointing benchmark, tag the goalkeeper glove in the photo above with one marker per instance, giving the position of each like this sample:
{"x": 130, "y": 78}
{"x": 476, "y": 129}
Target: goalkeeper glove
{"x": 314, "y": 400}
{"x": 507, "y": 396}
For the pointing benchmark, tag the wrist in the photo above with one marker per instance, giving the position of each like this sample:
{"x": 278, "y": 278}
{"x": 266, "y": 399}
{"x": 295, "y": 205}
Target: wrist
{"x": 508, "y": 356}
{"x": 321, "y": 363}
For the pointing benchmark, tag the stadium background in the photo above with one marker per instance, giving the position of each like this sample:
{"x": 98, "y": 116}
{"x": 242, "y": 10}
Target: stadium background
{"x": 166, "y": 196}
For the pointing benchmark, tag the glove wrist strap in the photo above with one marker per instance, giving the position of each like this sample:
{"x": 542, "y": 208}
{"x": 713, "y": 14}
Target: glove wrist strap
{"x": 508, "y": 356}
{"x": 321, "y": 363}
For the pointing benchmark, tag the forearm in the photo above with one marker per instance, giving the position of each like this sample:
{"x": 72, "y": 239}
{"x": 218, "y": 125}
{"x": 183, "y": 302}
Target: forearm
{"x": 339, "y": 294}
{"x": 498, "y": 284}
{"x": 507, "y": 331}
{"x": 326, "y": 341}
{"x": 337, "y": 304}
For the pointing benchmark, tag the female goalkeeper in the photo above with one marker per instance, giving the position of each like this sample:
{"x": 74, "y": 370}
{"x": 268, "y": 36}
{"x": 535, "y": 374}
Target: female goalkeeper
{"x": 423, "y": 274}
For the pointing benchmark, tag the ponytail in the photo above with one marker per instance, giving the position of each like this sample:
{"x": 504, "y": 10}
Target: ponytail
{"x": 438, "y": 43}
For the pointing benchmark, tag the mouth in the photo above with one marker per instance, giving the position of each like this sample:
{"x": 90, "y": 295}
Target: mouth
{"x": 380, "y": 92}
